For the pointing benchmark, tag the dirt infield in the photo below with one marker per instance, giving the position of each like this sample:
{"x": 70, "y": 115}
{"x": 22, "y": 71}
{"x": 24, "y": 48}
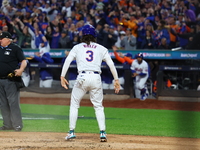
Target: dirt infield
{"x": 55, "y": 141}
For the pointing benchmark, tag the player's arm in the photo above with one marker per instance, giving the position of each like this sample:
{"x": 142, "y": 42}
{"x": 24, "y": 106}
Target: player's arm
{"x": 18, "y": 72}
{"x": 65, "y": 68}
{"x": 120, "y": 59}
{"x": 138, "y": 74}
{"x": 134, "y": 74}
{"x": 129, "y": 60}
{"x": 114, "y": 73}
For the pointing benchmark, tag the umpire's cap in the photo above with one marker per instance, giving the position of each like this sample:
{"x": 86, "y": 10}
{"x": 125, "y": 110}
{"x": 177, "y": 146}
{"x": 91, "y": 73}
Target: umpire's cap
{"x": 139, "y": 55}
{"x": 5, "y": 35}
{"x": 89, "y": 30}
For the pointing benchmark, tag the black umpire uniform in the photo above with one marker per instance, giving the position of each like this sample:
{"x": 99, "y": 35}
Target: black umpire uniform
{"x": 10, "y": 56}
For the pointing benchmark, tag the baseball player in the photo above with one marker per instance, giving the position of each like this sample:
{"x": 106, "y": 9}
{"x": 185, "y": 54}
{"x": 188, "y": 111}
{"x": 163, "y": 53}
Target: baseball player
{"x": 89, "y": 56}
{"x": 140, "y": 70}
{"x": 46, "y": 76}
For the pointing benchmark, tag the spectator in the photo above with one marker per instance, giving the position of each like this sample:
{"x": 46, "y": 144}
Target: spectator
{"x": 24, "y": 38}
{"x": 55, "y": 38}
{"x": 99, "y": 18}
{"x": 53, "y": 12}
{"x": 184, "y": 29}
{"x": 73, "y": 31}
{"x": 64, "y": 41}
{"x": 141, "y": 34}
{"x": 173, "y": 26}
{"x": 161, "y": 32}
{"x": 148, "y": 42}
{"x": 49, "y": 34}
{"x": 109, "y": 37}
{"x": 194, "y": 41}
{"x": 187, "y": 36}
{"x": 128, "y": 42}
{"x": 67, "y": 9}
{"x": 163, "y": 44}
{"x": 121, "y": 35}
{"x": 46, "y": 8}
{"x": 65, "y": 27}
{"x": 75, "y": 41}
{"x": 131, "y": 23}
{"x": 99, "y": 31}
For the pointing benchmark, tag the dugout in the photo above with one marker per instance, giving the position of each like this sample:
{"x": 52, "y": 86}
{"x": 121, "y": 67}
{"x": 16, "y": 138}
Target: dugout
{"x": 158, "y": 61}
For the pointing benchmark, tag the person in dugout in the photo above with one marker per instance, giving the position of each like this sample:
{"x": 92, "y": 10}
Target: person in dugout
{"x": 46, "y": 76}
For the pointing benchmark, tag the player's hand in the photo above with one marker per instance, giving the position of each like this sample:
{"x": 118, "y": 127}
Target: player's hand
{"x": 64, "y": 82}
{"x": 134, "y": 74}
{"x": 114, "y": 48}
{"x": 121, "y": 55}
{"x": 116, "y": 86}
{"x": 18, "y": 72}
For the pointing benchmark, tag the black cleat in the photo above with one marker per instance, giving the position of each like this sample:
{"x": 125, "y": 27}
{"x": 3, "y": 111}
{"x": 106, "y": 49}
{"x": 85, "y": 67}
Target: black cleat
{"x": 18, "y": 128}
{"x": 5, "y": 128}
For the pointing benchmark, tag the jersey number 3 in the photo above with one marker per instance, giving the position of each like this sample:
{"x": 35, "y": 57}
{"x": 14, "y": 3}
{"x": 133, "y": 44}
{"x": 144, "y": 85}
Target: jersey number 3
{"x": 90, "y": 55}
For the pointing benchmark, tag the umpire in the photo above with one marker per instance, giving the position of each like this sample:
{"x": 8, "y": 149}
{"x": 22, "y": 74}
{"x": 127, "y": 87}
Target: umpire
{"x": 10, "y": 56}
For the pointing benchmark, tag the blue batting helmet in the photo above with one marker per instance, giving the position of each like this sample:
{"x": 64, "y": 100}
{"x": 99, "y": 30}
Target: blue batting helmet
{"x": 139, "y": 55}
{"x": 88, "y": 30}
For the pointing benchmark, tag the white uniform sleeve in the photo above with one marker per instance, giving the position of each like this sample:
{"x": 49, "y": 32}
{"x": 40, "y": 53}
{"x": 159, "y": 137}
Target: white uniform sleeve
{"x": 66, "y": 65}
{"x": 111, "y": 65}
{"x": 133, "y": 66}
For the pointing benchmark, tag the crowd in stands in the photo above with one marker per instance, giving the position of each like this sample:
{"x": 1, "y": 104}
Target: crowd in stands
{"x": 127, "y": 24}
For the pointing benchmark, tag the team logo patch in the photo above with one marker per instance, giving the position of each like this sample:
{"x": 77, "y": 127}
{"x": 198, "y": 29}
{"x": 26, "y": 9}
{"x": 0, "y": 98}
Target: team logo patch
{"x": 7, "y": 53}
{"x": 8, "y": 49}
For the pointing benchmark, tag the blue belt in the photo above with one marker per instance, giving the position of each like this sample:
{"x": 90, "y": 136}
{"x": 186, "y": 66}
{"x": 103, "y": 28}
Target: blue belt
{"x": 95, "y": 72}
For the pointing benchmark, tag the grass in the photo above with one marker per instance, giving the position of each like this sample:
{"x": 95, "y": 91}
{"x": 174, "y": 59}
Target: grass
{"x": 148, "y": 122}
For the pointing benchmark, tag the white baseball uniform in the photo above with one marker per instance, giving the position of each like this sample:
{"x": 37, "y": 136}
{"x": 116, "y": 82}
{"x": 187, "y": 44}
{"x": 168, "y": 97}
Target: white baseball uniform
{"x": 140, "y": 81}
{"x": 89, "y": 59}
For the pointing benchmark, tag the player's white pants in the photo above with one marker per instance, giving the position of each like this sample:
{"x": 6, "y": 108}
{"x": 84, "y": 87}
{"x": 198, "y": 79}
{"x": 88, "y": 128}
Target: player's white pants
{"x": 46, "y": 83}
{"x": 139, "y": 84}
{"x": 92, "y": 83}
{"x": 71, "y": 83}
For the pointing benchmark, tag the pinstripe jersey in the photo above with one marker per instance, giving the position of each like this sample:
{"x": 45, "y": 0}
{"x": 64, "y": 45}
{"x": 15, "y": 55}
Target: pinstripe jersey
{"x": 89, "y": 58}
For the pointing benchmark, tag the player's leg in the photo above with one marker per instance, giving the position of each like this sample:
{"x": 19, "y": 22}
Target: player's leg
{"x": 71, "y": 83}
{"x": 136, "y": 88}
{"x": 77, "y": 94}
{"x": 137, "y": 93}
{"x": 96, "y": 97}
{"x": 143, "y": 87}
